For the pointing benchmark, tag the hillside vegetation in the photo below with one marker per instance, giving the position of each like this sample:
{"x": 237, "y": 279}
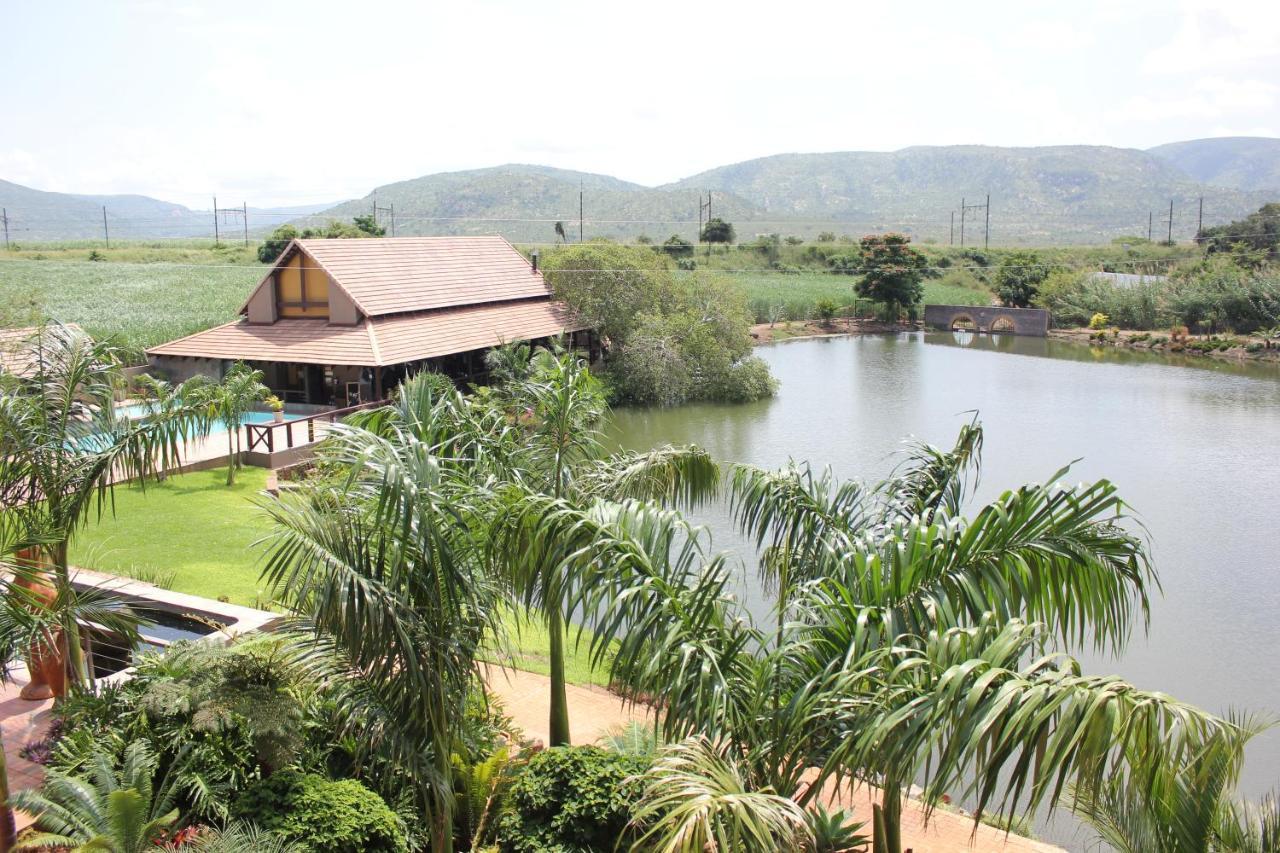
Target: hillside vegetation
{"x": 1039, "y": 196}
{"x": 1241, "y": 162}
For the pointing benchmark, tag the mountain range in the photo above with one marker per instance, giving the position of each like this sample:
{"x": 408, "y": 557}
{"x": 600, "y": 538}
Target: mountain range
{"x": 1040, "y": 195}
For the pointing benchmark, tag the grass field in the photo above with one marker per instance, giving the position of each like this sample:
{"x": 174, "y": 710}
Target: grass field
{"x": 203, "y": 532}
{"x": 798, "y": 293}
{"x": 141, "y": 304}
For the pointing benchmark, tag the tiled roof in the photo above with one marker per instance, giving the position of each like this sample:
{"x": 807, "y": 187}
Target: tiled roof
{"x": 393, "y": 275}
{"x": 381, "y": 340}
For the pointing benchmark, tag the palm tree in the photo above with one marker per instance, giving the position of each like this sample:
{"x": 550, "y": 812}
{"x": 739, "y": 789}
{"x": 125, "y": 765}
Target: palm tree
{"x": 908, "y": 643}
{"x": 382, "y": 564}
{"x": 230, "y": 400}
{"x": 116, "y": 811}
{"x": 65, "y": 444}
{"x": 1183, "y": 802}
{"x": 560, "y": 407}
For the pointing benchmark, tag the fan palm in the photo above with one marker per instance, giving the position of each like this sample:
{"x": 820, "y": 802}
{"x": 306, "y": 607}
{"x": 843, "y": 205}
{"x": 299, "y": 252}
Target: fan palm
{"x": 112, "y": 810}
{"x": 65, "y": 445}
{"x": 898, "y": 650}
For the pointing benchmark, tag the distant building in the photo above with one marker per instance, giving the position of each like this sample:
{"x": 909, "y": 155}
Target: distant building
{"x": 337, "y": 322}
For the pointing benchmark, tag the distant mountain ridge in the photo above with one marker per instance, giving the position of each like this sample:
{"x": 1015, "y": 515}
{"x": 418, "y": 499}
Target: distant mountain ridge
{"x": 1041, "y": 195}
{"x": 1240, "y": 162}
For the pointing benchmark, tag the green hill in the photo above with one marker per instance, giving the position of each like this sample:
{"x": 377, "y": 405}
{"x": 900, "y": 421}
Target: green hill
{"x": 524, "y": 202}
{"x": 1057, "y": 194}
{"x": 1242, "y": 162}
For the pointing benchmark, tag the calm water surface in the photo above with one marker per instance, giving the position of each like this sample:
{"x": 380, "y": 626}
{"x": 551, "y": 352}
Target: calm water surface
{"x": 1195, "y": 450}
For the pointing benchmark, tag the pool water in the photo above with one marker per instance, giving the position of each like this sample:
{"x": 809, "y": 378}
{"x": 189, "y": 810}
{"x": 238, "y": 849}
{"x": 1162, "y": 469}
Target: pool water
{"x": 141, "y": 410}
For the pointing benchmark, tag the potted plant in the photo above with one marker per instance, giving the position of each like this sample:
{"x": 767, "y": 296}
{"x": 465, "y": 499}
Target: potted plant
{"x": 276, "y": 405}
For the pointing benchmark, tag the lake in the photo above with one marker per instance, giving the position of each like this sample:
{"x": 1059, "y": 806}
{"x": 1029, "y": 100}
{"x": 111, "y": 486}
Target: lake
{"x": 1194, "y": 448}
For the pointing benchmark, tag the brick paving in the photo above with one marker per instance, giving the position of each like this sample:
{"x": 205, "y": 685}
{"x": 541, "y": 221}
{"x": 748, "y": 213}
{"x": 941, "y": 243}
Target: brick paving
{"x": 21, "y": 721}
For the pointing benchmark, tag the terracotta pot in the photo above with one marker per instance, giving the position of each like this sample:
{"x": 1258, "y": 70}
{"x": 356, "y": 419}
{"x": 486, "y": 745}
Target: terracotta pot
{"x": 46, "y": 663}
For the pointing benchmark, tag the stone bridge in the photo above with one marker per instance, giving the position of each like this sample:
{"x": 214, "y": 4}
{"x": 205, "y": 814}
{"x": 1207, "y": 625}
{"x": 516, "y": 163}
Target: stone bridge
{"x": 989, "y": 319}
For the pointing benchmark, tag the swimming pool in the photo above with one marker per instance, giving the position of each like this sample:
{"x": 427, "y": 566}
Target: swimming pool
{"x": 134, "y": 411}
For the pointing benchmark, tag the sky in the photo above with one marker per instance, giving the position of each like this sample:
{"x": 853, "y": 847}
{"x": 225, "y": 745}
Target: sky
{"x": 295, "y": 103}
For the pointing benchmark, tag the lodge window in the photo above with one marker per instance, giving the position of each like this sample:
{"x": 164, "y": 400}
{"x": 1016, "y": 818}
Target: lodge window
{"x": 301, "y": 289}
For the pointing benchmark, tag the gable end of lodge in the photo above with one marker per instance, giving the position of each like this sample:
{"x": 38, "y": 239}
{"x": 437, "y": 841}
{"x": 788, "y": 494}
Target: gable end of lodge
{"x": 338, "y": 322}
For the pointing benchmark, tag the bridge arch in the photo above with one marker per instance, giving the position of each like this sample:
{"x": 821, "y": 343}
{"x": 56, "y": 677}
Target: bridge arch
{"x": 988, "y": 318}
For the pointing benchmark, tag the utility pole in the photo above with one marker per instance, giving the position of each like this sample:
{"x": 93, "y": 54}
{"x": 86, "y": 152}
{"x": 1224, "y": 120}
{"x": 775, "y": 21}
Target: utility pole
{"x": 580, "y": 230}
{"x": 242, "y": 210}
{"x": 953, "y": 228}
{"x": 215, "y": 221}
{"x": 1170, "y": 241}
{"x": 4, "y": 214}
{"x": 1200, "y": 219}
{"x": 1149, "y": 215}
{"x": 106, "y": 235}
{"x": 963, "y": 208}
{"x": 393, "y": 219}
{"x": 244, "y": 206}
{"x": 390, "y": 211}
{"x": 986, "y": 232}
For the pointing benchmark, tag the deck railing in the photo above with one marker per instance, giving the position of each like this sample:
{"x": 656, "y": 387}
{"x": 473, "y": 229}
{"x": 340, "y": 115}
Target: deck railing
{"x": 292, "y": 432}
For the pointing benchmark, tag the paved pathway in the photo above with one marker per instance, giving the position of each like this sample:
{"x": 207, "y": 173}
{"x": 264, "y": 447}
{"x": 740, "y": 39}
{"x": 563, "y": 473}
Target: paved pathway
{"x": 595, "y": 712}
{"x": 21, "y": 721}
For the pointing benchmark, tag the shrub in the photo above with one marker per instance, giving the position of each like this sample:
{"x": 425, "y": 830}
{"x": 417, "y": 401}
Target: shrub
{"x": 677, "y": 247}
{"x": 686, "y": 264}
{"x": 324, "y": 815}
{"x": 1099, "y": 321}
{"x": 825, "y": 310}
{"x": 826, "y": 237}
{"x": 1019, "y": 277}
{"x": 571, "y": 799}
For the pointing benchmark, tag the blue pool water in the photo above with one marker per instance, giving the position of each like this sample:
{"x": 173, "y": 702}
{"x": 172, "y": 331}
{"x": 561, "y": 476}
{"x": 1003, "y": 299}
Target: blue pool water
{"x": 139, "y": 410}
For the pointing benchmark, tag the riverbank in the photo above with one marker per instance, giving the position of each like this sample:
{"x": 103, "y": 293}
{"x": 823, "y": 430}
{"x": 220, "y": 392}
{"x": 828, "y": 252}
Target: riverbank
{"x": 1239, "y": 348}
{"x": 767, "y": 333}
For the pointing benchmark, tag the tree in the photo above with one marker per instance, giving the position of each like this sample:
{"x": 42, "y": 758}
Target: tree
{"x": 65, "y": 444}
{"x": 230, "y": 400}
{"x": 383, "y": 563}
{"x": 368, "y": 225}
{"x": 116, "y": 811}
{"x": 1018, "y": 278}
{"x": 561, "y": 456}
{"x": 892, "y": 271}
{"x": 274, "y": 245}
{"x": 561, "y": 236}
{"x": 826, "y": 237}
{"x": 900, "y": 648}
{"x": 1254, "y": 239}
{"x": 677, "y": 246}
{"x": 717, "y": 231}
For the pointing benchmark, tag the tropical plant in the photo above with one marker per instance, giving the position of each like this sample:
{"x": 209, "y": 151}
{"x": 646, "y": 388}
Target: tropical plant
{"x": 65, "y": 444}
{"x": 480, "y": 790}
{"x": 571, "y": 798}
{"x": 341, "y": 816}
{"x": 1181, "y": 798}
{"x": 697, "y": 799}
{"x": 231, "y": 399}
{"x": 561, "y": 455}
{"x": 900, "y": 649}
{"x": 112, "y": 810}
{"x": 237, "y": 837}
{"x": 381, "y": 565}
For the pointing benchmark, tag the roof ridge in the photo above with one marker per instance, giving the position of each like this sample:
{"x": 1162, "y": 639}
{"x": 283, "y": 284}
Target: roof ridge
{"x": 373, "y": 341}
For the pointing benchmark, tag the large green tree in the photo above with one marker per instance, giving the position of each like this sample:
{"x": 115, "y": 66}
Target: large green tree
{"x": 1018, "y": 278}
{"x": 892, "y": 272}
{"x": 717, "y": 231}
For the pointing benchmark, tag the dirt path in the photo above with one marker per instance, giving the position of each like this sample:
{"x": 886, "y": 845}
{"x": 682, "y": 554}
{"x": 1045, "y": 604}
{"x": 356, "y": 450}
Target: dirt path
{"x": 595, "y": 712}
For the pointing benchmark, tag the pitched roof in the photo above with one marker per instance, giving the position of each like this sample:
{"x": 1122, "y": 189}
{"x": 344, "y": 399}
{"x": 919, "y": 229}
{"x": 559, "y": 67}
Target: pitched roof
{"x": 381, "y": 340}
{"x": 16, "y": 349}
{"x": 393, "y": 275}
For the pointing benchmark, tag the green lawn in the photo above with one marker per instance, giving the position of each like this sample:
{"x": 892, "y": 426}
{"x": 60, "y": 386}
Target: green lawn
{"x": 203, "y": 532}
{"x": 797, "y": 293}
{"x": 192, "y": 525}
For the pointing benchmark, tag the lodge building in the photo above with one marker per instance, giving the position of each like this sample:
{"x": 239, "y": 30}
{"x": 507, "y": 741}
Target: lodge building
{"x": 338, "y": 322}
